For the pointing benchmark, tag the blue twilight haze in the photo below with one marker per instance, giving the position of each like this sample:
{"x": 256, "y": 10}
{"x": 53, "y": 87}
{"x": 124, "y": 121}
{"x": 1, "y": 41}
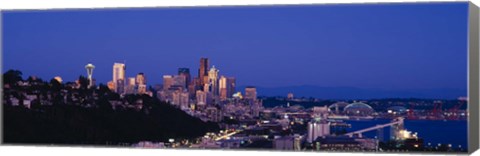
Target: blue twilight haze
{"x": 396, "y": 47}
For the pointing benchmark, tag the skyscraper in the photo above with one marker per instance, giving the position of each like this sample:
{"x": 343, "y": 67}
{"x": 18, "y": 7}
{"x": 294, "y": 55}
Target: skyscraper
{"x": 179, "y": 81}
{"x": 201, "y": 98}
{"x": 167, "y": 81}
{"x": 185, "y": 72}
{"x": 119, "y": 77}
{"x": 250, "y": 93}
{"x": 231, "y": 84}
{"x": 131, "y": 81}
{"x": 203, "y": 72}
{"x": 226, "y": 87}
{"x": 130, "y": 87}
{"x": 213, "y": 81}
{"x": 222, "y": 87}
{"x": 142, "y": 89}
{"x": 141, "y": 80}
{"x": 90, "y": 68}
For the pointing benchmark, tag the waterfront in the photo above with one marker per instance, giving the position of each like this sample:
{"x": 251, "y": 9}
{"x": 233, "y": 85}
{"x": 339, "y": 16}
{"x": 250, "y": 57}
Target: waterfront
{"x": 432, "y": 131}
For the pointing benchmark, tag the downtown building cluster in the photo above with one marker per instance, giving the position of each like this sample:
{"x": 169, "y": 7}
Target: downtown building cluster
{"x": 209, "y": 95}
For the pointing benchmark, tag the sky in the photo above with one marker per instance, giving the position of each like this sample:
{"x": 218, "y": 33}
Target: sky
{"x": 384, "y": 46}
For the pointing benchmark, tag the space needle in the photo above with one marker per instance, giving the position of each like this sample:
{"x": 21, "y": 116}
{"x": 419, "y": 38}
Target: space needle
{"x": 90, "y": 68}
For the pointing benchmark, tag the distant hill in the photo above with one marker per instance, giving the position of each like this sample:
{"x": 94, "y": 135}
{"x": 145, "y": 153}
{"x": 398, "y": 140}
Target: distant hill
{"x": 357, "y": 93}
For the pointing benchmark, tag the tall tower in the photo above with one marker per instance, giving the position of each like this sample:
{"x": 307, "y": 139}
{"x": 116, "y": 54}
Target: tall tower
{"x": 119, "y": 77}
{"x": 167, "y": 81}
{"x": 90, "y": 68}
{"x": 185, "y": 72}
{"x": 230, "y": 86}
{"x": 222, "y": 87}
{"x": 141, "y": 80}
{"x": 213, "y": 81}
{"x": 251, "y": 93}
{"x": 203, "y": 72}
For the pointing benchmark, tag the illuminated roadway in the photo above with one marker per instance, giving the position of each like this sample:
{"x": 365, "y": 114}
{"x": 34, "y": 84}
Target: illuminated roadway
{"x": 227, "y": 135}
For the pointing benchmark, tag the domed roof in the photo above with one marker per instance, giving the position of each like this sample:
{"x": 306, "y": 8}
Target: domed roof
{"x": 358, "y": 108}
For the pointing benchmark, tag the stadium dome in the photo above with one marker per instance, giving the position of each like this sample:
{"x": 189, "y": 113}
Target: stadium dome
{"x": 337, "y": 107}
{"x": 358, "y": 109}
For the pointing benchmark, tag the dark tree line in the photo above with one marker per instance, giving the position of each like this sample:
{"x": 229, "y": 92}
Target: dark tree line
{"x": 64, "y": 123}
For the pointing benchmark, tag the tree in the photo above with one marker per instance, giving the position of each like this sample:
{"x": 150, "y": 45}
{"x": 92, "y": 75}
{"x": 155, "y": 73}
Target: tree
{"x": 12, "y": 77}
{"x": 55, "y": 85}
{"x": 83, "y": 82}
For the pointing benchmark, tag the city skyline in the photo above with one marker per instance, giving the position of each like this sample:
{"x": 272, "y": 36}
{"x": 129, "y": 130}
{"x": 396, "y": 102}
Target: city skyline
{"x": 354, "y": 78}
{"x": 270, "y": 51}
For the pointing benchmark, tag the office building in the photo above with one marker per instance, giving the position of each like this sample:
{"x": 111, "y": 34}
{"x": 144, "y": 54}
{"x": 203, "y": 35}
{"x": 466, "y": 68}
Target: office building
{"x": 201, "y": 98}
{"x": 142, "y": 89}
{"x": 141, "y": 80}
{"x": 222, "y": 87}
{"x": 203, "y": 72}
{"x": 213, "y": 81}
{"x": 179, "y": 81}
{"x": 251, "y": 93}
{"x": 186, "y": 73}
{"x": 130, "y": 86}
{"x": 214, "y": 114}
{"x": 180, "y": 99}
{"x": 231, "y": 86}
{"x": 167, "y": 81}
{"x": 226, "y": 87}
{"x": 119, "y": 77}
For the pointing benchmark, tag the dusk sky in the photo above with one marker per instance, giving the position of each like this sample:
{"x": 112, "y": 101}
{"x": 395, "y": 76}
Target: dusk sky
{"x": 388, "y": 46}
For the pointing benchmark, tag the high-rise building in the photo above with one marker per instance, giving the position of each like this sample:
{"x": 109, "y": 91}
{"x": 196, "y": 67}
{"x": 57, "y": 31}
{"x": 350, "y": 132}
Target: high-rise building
{"x": 226, "y": 87}
{"x": 180, "y": 98}
{"x": 142, "y": 89}
{"x": 167, "y": 81}
{"x": 119, "y": 77}
{"x": 213, "y": 81}
{"x": 120, "y": 86}
{"x": 130, "y": 86}
{"x": 201, "y": 98}
{"x": 231, "y": 86}
{"x": 192, "y": 88}
{"x": 90, "y": 68}
{"x": 213, "y": 114}
{"x": 179, "y": 81}
{"x": 222, "y": 87}
{"x": 250, "y": 93}
{"x": 203, "y": 72}
{"x": 186, "y": 73}
{"x": 141, "y": 80}
{"x": 131, "y": 81}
